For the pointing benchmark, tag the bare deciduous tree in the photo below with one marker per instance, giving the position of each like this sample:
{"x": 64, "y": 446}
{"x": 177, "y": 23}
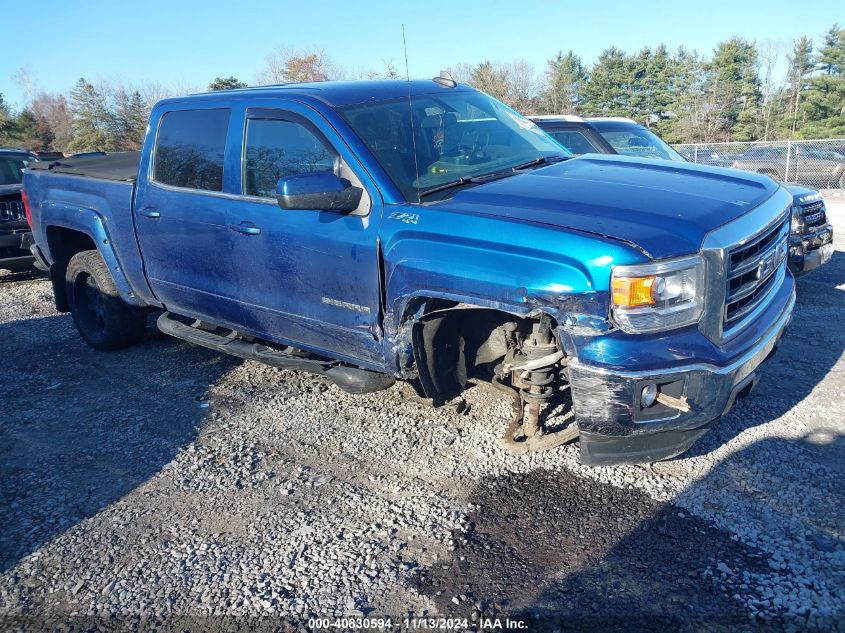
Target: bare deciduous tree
{"x": 53, "y": 109}
{"x": 462, "y": 73}
{"x": 521, "y": 86}
{"x": 769, "y": 54}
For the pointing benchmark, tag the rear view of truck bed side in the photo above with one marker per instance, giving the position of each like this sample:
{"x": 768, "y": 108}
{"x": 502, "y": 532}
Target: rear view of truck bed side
{"x": 86, "y": 208}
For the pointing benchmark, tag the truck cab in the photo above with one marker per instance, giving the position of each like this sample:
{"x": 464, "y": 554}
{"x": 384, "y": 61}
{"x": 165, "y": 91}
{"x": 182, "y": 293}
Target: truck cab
{"x": 374, "y": 231}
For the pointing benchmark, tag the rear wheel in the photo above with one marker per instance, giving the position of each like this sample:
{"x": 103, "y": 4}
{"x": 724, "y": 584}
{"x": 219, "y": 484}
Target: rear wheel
{"x": 104, "y": 321}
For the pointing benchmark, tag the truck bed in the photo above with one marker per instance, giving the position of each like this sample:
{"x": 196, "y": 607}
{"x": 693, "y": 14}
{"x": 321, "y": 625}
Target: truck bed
{"x": 96, "y": 201}
{"x": 119, "y": 166}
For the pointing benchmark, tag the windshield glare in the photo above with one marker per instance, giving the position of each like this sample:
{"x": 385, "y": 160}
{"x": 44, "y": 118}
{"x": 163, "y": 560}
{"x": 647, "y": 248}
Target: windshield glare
{"x": 10, "y": 170}
{"x": 640, "y": 142}
{"x": 456, "y": 135}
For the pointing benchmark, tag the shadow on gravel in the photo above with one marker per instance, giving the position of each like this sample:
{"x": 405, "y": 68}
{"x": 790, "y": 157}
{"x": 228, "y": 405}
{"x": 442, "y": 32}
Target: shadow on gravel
{"x": 21, "y": 275}
{"x": 563, "y": 553}
{"x": 813, "y": 344}
{"x": 79, "y": 428}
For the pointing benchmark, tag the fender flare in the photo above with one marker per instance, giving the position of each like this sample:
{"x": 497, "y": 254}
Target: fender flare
{"x": 89, "y": 223}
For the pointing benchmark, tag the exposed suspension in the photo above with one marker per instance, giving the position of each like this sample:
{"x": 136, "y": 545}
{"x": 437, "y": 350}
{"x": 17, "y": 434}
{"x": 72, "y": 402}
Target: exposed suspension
{"x": 533, "y": 371}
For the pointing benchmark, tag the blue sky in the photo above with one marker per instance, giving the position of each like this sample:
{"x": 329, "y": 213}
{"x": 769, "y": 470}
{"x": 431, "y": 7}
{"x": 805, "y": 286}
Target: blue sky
{"x": 189, "y": 42}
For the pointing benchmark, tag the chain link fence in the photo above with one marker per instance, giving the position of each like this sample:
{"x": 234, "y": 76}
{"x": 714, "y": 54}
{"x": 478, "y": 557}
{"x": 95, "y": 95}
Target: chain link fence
{"x": 819, "y": 164}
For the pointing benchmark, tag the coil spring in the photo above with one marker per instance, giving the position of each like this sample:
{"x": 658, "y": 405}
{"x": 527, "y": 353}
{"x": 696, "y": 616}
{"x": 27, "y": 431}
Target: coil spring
{"x": 543, "y": 380}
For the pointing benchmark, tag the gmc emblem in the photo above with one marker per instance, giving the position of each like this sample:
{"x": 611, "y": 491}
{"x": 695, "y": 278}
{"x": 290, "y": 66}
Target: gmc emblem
{"x": 767, "y": 265}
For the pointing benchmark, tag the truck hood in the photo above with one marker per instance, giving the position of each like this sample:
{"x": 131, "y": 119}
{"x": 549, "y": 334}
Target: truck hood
{"x": 801, "y": 195}
{"x": 665, "y": 208}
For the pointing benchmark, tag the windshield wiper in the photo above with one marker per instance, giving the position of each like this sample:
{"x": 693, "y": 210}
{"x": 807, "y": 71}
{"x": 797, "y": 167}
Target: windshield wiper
{"x": 541, "y": 160}
{"x": 510, "y": 171}
{"x": 469, "y": 180}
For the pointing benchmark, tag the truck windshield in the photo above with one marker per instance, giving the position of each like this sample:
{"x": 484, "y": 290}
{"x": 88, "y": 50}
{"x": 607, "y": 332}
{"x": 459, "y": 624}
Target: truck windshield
{"x": 11, "y": 169}
{"x": 446, "y": 137}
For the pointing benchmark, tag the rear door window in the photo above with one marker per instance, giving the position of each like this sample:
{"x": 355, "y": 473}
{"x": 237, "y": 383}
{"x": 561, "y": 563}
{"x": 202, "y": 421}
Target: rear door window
{"x": 190, "y": 148}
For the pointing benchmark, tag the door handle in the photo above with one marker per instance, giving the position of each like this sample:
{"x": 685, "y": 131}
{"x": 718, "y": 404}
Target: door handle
{"x": 149, "y": 213}
{"x": 247, "y": 228}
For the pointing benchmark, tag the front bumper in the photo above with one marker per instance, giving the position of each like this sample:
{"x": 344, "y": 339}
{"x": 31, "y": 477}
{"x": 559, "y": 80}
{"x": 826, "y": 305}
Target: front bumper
{"x": 811, "y": 250}
{"x": 615, "y": 429}
{"x": 14, "y": 250}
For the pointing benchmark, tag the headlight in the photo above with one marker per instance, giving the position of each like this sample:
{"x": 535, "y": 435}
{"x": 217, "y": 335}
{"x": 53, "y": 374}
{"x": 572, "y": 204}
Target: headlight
{"x": 796, "y": 225}
{"x": 658, "y": 296}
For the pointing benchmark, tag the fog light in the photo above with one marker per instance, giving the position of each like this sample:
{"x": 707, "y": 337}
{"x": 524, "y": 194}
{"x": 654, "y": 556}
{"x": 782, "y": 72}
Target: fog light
{"x": 648, "y": 396}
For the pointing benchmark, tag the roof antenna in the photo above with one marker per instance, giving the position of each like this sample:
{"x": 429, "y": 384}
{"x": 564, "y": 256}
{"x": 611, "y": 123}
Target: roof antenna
{"x": 411, "y": 110}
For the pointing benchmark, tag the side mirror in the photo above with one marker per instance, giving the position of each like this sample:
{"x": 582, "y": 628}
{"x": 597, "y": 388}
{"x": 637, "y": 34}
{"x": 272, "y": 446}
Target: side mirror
{"x": 318, "y": 191}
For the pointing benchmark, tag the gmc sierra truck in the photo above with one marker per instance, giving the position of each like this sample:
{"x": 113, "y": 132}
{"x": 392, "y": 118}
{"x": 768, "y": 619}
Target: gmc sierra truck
{"x": 369, "y": 231}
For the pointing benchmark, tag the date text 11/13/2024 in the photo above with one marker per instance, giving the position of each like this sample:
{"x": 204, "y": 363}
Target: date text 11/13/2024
{"x": 418, "y": 624}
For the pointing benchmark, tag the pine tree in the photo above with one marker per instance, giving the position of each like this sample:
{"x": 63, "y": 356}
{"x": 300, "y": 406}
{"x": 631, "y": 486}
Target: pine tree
{"x": 690, "y": 106}
{"x": 824, "y": 100}
{"x": 489, "y": 79}
{"x": 564, "y": 75}
{"x": 649, "y": 78}
{"x": 734, "y": 86}
{"x": 30, "y": 131}
{"x": 225, "y": 83}
{"x": 92, "y": 122}
{"x": 656, "y": 83}
{"x": 129, "y": 120}
{"x": 5, "y": 120}
{"x": 606, "y": 91}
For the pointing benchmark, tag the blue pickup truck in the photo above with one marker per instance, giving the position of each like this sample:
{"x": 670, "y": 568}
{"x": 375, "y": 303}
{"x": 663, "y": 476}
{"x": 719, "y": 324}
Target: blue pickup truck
{"x": 369, "y": 231}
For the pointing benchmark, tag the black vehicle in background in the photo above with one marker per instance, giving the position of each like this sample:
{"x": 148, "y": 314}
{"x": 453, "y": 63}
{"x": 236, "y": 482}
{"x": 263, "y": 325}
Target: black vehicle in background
{"x": 15, "y": 236}
{"x": 811, "y": 235}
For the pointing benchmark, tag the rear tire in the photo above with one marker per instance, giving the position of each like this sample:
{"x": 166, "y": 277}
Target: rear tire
{"x": 104, "y": 321}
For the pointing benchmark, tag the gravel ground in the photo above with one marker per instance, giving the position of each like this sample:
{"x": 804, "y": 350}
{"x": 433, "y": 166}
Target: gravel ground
{"x": 168, "y": 487}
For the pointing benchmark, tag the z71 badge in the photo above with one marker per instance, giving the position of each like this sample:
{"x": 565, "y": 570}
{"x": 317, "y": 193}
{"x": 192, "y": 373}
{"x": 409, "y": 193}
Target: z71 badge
{"x": 407, "y": 218}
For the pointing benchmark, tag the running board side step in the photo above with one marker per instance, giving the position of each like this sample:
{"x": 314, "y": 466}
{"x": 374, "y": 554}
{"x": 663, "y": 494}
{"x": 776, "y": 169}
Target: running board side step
{"x": 350, "y": 379}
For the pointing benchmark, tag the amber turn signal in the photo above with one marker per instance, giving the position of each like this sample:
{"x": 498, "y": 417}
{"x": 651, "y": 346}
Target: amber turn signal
{"x": 629, "y": 292}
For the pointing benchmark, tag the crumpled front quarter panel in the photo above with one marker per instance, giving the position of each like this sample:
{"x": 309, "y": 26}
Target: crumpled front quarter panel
{"x": 505, "y": 264}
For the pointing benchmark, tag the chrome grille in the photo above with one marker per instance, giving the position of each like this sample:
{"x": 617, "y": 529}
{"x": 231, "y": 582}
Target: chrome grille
{"x": 814, "y": 214}
{"x": 731, "y": 252}
{"x": 753, "y": 270}
{"x": 12, "y": 210}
